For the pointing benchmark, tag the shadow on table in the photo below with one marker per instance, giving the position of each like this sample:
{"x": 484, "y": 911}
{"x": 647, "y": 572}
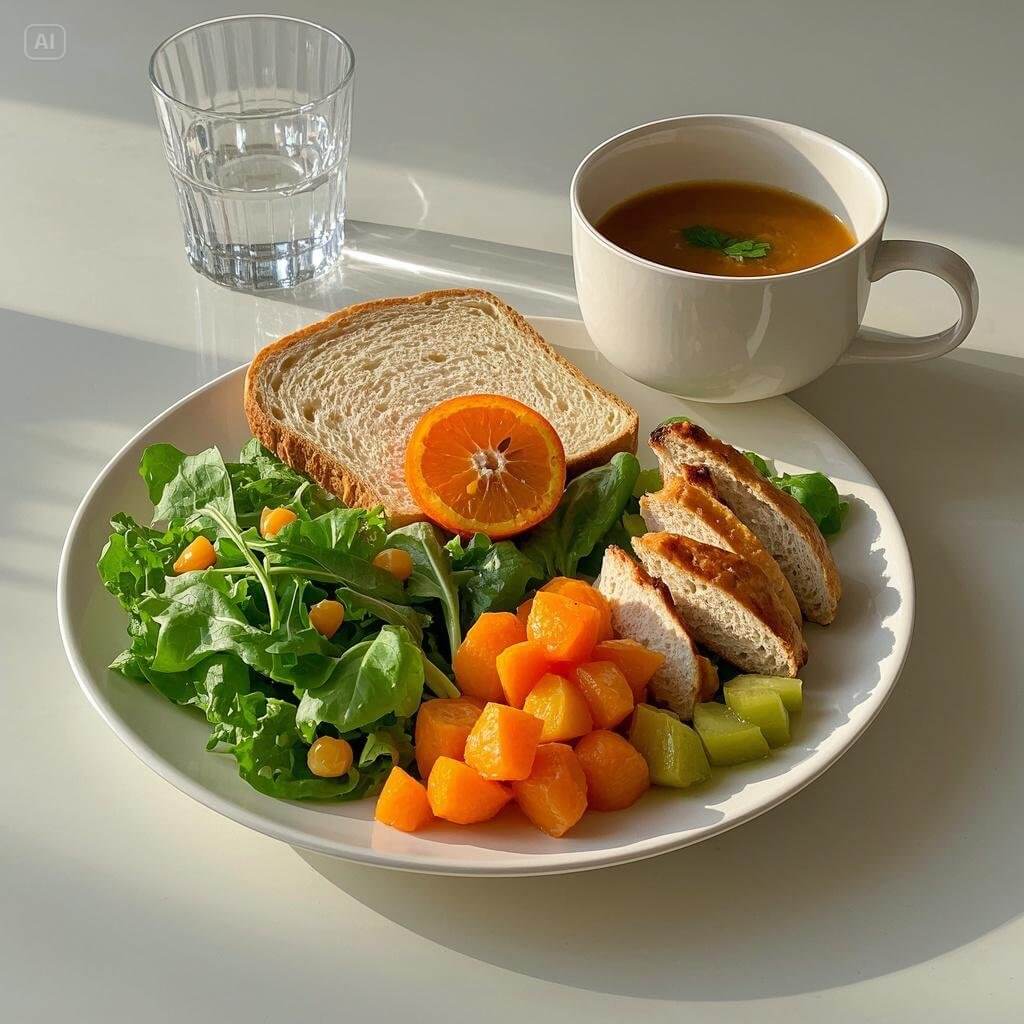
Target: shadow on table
{"x": 907, "y": 849}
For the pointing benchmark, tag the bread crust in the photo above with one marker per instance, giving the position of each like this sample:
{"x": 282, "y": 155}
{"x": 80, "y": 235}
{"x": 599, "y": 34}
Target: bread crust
{"x": 784, "y": 504}
{"x": 734, "y": 575}
{"x": 703, "y": 504}
{"x": 305, "y": 456}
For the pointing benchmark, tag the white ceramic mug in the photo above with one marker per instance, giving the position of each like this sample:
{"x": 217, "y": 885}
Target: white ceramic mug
{"x": 735, "y": 339}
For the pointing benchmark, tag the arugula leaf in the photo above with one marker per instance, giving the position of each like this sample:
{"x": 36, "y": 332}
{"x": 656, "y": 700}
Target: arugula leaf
{"x": 261, "y": 480}
{"x": 497, "y": 575}
{"x": 373, "y": 679}
{"x": 359, "y": 606}
{"x": 738, "y": 249}
{"x": 198, "y": 482}
{"x": 341, "y": 545}
{"x": 431, "y": 573}
{"x": 592, "y": 503}
{"x": 272, "y": 757}
{"x": 391, "y": 742}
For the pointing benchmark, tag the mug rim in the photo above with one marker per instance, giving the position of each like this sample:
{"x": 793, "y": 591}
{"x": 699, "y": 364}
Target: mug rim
{"x": 690, "y": 275}
{"x": 298, "y": 108}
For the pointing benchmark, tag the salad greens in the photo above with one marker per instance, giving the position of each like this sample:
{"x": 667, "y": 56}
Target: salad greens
{"x": 235, "y": 641}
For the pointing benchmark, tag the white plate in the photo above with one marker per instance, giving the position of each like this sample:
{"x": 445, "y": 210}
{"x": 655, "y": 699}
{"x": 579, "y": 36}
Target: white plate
{"x": 854, "y": 663}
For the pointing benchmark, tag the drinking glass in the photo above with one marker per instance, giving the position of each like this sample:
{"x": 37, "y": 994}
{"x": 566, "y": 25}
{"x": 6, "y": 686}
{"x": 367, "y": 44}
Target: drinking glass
{"x": 256, "y": 116}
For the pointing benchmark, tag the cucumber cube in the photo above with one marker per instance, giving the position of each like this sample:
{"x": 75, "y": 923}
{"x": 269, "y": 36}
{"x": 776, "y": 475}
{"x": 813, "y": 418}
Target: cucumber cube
{"x": 672, "y": 750}
{"x": 763, "y": 708}
{"x": 790, "y": 690}
{"x": 728, "y": 738}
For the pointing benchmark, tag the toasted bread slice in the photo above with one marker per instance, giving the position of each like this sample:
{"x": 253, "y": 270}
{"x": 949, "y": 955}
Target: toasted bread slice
{"x": 727, "y": 603}
{"x": 338, "y": 399}
{"x": 693, "y": 511}
{"x": 776, "y": 519}
{"x": 642, "y": 610}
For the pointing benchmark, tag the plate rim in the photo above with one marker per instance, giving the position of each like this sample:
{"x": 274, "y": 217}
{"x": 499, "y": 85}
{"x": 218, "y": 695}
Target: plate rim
{"x": 532, "y": 864}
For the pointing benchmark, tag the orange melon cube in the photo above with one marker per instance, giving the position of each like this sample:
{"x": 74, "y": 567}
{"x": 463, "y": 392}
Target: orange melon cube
{"x": 636, "y": 662}
{"x": 568, "y": 629}
{"x": 442, "y": 727}
{"x": 457, "y": 793}
{"x": 606, "y": 691}
{"x": 403, "y": 803}
{"x": 583, "y": 592}
{"x": 561, "y": 707}
{"x": 503, "y": 742}
{"x": 554, "y": 796}
{"x": 617, "y": 775}
{"x": 520, "y": 668}
{"x": 523, "y": 611}
{"x": 474, "y": 663}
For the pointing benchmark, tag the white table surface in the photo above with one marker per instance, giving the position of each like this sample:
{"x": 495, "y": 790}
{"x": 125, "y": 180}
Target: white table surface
{"x": 889, "y": 890}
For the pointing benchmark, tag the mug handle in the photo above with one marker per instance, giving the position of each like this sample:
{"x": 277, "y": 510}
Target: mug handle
{"x": 871, "y": 346}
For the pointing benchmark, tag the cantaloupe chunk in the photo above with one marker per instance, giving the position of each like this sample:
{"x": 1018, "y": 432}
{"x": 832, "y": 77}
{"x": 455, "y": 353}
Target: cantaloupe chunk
{"x": 636, "y": 662}
{"x": 568, "y": 629}
{"x": 523, "y": 611}
{"x": 403, "y": 802}
{"x": 561, "y": 706}
{"x": 474, "y": 663}
{"x": 457, "y": 793}
{"x": 554, "y": 796}
{"x": 585, "y": 594}
{"x": 617, "y": 775}
{"x": 502, "y": 743}
{"x": 606, "y": 691}
{"x": 520, "y": 668}
{"x": 442, "y": 727}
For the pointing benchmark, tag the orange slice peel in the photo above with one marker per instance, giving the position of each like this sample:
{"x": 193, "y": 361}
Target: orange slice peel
{"x": 485, "y": 464}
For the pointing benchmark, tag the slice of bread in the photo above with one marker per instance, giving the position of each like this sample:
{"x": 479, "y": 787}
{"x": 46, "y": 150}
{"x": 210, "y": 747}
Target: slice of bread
{"x": 727, "y": 603}
{"x": 692, "y": 510}
{"x": 778, "y": 520}
{"x": 642, "y": 610}
{"x": 338, "y": 399}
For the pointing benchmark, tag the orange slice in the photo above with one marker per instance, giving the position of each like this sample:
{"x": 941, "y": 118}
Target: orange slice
{"x": 485, "y": 464}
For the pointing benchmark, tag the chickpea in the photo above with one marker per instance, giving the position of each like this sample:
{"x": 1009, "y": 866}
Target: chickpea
{"x": 328, "y": 758}
{"x": 395, "y": 561}
{"x": 198, "y": 555}
{"x": 274, "y": 519}
{"x": 326, "y": 617}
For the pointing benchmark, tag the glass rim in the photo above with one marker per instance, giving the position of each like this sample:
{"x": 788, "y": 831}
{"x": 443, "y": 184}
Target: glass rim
{"x": 236, "y": 115}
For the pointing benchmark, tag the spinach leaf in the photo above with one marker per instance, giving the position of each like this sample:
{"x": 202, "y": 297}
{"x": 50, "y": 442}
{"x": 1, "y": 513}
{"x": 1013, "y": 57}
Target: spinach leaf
{"x": 814, "y": 491}
{"x": 592, "y": 503}
{"x": 431, "y": 573}
{"x": 496, "y": 575}
{"x": 647, "y": 480}
{"x": 373, "y": 679}
{"x": 818, "y": 495}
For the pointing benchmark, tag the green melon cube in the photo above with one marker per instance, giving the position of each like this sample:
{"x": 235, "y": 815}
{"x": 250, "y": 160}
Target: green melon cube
{"x": 727, "y": 738}
{"x": 790, "y": 690}
{"x": 763, "y": 708}
{"x": 672, "y": 750}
